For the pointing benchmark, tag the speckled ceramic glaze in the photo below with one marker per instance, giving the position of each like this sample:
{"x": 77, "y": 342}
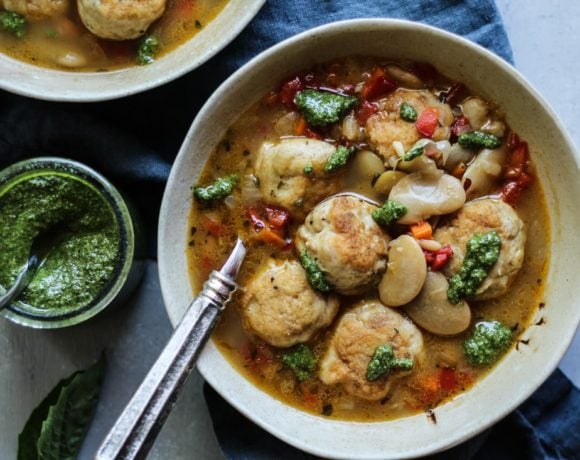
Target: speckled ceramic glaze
{"x": 55, "y": 85}
{"x": 522, "y": 371}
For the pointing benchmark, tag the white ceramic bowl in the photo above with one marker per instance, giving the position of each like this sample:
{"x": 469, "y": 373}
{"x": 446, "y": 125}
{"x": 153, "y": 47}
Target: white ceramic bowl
{"x": 56, "y": 85}
{"x": 522, "y": 371}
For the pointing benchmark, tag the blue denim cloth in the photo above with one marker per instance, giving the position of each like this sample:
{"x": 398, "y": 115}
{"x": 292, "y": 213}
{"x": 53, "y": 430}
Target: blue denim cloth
{"x": 133, "y": 142}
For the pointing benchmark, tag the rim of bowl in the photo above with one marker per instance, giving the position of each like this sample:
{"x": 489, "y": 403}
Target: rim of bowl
{"x": 450, "y": 439}
{"x": 30, "y": 80}
{"x": 127, "y": 236}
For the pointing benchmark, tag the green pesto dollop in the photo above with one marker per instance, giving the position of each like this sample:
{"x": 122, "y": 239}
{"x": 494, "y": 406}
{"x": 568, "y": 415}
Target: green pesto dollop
{"x": 383, "y": 361}
{"x": 482, "y": 252}
{"x": 314, "y": 274}
{"x": 218, "y": 190}
{"x": 339, "y": 158}
{"x": 148, "y": 48}
{"x": 389, "y": 213}
{"x": 487, "y": 343}
{"x": 322, "y": 108}
{"x": 407, "y": 112}
{"x": 83, "y": 259}
{"x": 413, "y": 153}
{"x": 301, "y": 360}
{"x": 13, "y": 23}
{"x": 478, "y": 140}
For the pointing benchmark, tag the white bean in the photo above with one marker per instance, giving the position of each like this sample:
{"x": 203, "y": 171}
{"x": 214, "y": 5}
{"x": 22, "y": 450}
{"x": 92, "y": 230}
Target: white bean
{"x": 363, "y": 170}
{"x": 432, "y": 311}
{"x": 476, "y": 110}
{"x": 71, "y": 59}
{"x": 404, "y": 78}
{"x": 406, "y": 272}
{"x": 427, "y": 194}
{"x": 387, "y": 181}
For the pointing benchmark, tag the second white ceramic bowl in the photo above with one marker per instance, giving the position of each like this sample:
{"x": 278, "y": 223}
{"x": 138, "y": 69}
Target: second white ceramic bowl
{"x": 523, "y": 370}
{"x": 57, "y": 85}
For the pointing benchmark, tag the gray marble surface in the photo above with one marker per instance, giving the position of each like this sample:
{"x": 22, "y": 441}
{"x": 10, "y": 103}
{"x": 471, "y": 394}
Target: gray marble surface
{"x": 545, "y": 40}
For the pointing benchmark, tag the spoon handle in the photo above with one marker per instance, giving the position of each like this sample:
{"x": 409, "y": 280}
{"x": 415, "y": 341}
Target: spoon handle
{"x": 137, "y": 427}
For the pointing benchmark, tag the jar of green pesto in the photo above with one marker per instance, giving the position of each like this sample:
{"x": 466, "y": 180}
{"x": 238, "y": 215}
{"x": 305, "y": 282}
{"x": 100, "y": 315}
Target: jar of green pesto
{"x": 96, "y": 260}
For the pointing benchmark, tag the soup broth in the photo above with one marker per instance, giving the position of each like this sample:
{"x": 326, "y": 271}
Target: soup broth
{"x": 64, "y": 42}
{"x": 443, "y": 370}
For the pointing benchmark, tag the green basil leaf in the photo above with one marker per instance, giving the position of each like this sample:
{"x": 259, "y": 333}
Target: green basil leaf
{"x": 56, "y": 428}
{"x": 31, "y": 431}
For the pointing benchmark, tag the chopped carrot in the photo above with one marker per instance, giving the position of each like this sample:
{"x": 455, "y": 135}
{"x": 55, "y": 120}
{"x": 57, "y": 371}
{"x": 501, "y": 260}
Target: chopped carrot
{"x": 300, "y": 127}
{"x": 67, "y": 28}
{"x": 269, "y": 236}
{"x": 429, "y": 389}
{"x": 421, "y": 230}
{"x": 459, "y": 170}
{"x": 211, "y": 223}
{"x": 310, "y": 399}
{"x": 184, "y": 7}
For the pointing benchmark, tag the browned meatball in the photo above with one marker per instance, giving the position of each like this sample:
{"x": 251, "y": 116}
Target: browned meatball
{"x": 346, "y": 243}
{"x": 281, "y": 308}
{"x": 482, "y": 216}
{"x": 291, "y": 173}
{"x": 359, "y": 332}
{"x": 120, "y": 19}
{"x": 387, "y": 126}
{"x": 37, "y": 9}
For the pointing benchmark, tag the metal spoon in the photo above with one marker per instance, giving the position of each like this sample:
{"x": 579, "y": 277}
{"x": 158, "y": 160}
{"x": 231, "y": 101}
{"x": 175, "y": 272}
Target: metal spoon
{"x": 137, "y": 427}
{"x": 39, "y": 249}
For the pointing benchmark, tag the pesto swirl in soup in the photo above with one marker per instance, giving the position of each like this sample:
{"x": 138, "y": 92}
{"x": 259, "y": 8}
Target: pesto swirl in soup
{"x": 99, "y": 35}
{"x": 397, "y": 238}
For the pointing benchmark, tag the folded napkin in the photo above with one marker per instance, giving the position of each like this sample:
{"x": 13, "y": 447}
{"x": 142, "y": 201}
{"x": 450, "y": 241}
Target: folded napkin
{"x": 133, "y": 141}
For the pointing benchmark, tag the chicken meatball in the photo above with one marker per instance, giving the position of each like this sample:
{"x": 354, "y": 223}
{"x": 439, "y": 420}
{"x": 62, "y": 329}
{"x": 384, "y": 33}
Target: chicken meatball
{"x": 37, "y": 9}
{"x": 120, "y": 19}
{"x": 359, "y": 332}
{"x": 482, "y": 216}
{"x": 291, "y": 173}
{"x": 280, "y": 307}
{"x": 345, "y": 242}
{"x": 387, "y": 126}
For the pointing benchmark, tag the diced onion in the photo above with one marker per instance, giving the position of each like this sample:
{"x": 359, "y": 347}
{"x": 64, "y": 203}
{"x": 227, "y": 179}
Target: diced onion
{"x": 399, "y": 148}
{"x": 231, "y": 201}
{"x": 250, "y": 190}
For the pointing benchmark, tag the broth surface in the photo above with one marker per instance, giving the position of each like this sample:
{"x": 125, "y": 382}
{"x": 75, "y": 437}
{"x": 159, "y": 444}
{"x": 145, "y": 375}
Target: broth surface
{"x": 444, "y": 372}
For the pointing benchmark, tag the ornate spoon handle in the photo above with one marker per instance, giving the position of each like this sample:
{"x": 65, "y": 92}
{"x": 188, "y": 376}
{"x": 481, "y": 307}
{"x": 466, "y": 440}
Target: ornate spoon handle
{"x": 137, "y": 427}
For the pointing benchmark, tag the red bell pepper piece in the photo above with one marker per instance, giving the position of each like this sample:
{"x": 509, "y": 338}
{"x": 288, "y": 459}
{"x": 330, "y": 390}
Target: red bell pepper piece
{"x": 365, "y": 111}
{"x": 460, "y": 126}
{"x": 428, "y": 121}
{"x": 437, "y": 259}
{"x": 289, "y": 90}
{"x": 516, "y": 178}
{"x": 270, "y": 224}
{"x": 447, "y": 379}
{"x": 455, "y": 94}
{"x": 378, "y": 85}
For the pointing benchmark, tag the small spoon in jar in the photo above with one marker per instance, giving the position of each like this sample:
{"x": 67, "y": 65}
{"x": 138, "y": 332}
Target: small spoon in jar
{"x": 138, "y": 425}
{"x": 39, "y": 250}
